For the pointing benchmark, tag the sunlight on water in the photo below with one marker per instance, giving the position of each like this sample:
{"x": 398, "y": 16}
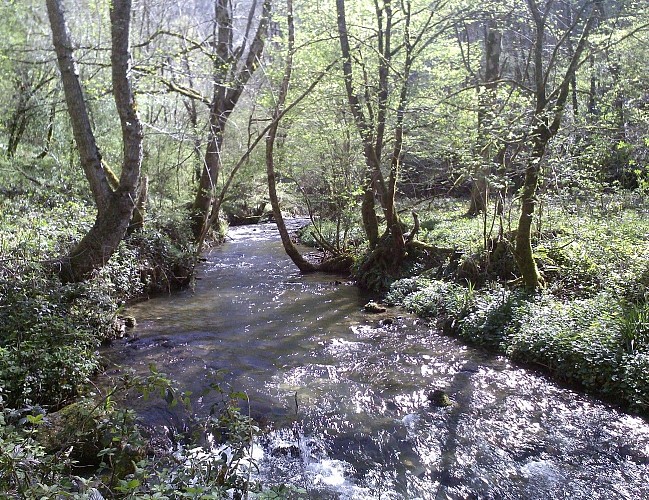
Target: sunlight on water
{"x": 344, "y": 395}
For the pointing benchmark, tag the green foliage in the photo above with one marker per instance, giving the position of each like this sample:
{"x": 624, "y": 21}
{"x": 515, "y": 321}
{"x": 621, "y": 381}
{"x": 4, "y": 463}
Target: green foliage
{"x": 634, "y": 328}
{"x": 431, "y": 298}
{"x": 165, "y": 254}
{"x": 219, "y": 468}
{"x": 48, "y": 336}
{"x": 634, "y": 379}
{"x": 445, "y": 224}
{"x": 494, "y": 312}
{"x": 578, "y": 341}
{"x": 38, "y": 457}
{"x": 435, "y": 299}
{"x": 404, "y": 287}
{"x": 49, "y": 331}
{"x": 334, "y": 235}
{"x": 570, "y": 268}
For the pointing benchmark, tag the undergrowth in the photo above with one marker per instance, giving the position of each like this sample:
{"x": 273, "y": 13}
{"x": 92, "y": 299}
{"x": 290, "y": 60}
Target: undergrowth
{"x": 50, "y": 331}
{"x": 47, "y": 455}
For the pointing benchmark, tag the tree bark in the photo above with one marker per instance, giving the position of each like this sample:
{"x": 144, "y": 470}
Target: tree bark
{"x": 486, "y": 103}
{"x": 75, "y": 100}
{"x": 372, "y": 139}
{"x": 523, "y": 251}
{"x": 372, "y": 123}
{"x": 297, "y": 258}
{"x": 549, "y": 109}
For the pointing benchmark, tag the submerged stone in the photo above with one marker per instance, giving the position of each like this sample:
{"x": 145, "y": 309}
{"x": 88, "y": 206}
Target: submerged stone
{"x": 439, "y": 398}
{"x": 129, "y": 322}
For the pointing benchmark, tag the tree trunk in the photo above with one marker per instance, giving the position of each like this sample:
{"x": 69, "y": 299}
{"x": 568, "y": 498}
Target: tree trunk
{"x": 74, "y": 98}
{"x": 232, "y": 71}
{"x": 371, "y": 124}
{"x": 549, "y": 109}
{"x": 371, "y": 149}
{"x": 211, "y": 171}
{"x": 523, "y": 248}
{"x": 115, "y": 209}
{"x": 368, "y": 214}
{"x": 139, "y": 213}
{"x": 486, "y": 103}
{"x": 49, "y": 134}
{"x": 99, "y": 244}
{"x": 302, "y": 264}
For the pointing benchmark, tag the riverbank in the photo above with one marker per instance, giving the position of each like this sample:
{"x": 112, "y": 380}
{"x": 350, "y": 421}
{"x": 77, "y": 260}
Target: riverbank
{"x": 50, "y": 333}
{"x": 585, "y": 343}
{"x": 589, "y": 326}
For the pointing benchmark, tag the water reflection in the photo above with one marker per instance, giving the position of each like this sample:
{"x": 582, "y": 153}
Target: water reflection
{"x": 345, "y": 394}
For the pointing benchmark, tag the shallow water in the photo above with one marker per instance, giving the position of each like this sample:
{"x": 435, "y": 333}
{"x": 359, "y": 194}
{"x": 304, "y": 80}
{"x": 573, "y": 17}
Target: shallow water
{"x": 343, "y": 393}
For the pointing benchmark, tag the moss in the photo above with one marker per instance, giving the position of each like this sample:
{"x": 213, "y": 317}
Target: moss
{"x": 439, "y": 398}
{"x": 76, "y": 428}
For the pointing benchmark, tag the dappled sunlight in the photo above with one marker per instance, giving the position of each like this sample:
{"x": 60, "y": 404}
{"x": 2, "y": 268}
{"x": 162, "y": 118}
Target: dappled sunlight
{"x": 346, "y": 395}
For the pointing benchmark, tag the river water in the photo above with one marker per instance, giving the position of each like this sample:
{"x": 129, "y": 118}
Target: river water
{"x": 342, "y": 393}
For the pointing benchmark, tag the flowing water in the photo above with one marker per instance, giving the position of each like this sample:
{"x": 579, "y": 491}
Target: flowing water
{"x": 344, "y": 394}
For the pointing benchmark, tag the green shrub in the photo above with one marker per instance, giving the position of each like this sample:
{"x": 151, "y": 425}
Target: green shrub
{"x": 430, "y": 298}
{"x": 634, "y": 328}
{"x": 48, "y": 337}
{"x": 495, "y": 311}
{"x": 571, "y": 270}
{"x": 400, "y": 289}
{"x": 49, "y": 331}
{"x": 578, "y": 341}
{"x": 39, "y": 451}
{"x": 596, "y": 343}
{"x": 165, "y": 255}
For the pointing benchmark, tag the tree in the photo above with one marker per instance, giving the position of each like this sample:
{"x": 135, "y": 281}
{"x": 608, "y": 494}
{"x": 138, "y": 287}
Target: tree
{"x": 487, "y": 101}
{"x": 114, "y": 206}
{"x": 549, "y": 105}
{"x": 302, "y": 264}
{"x": 370, "y": 108}
{"x": 233, "y": 66}
{"x": 339, "y": 262}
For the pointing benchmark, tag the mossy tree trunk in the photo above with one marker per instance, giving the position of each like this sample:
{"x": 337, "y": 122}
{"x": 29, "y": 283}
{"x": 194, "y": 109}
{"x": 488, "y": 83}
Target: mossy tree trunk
{"x": 523, "y": 249}
{"x": 549, "y": 109}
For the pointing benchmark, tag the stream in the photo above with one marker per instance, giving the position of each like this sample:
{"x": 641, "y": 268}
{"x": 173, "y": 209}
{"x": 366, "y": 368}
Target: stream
{"x": 343, "y": 394}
